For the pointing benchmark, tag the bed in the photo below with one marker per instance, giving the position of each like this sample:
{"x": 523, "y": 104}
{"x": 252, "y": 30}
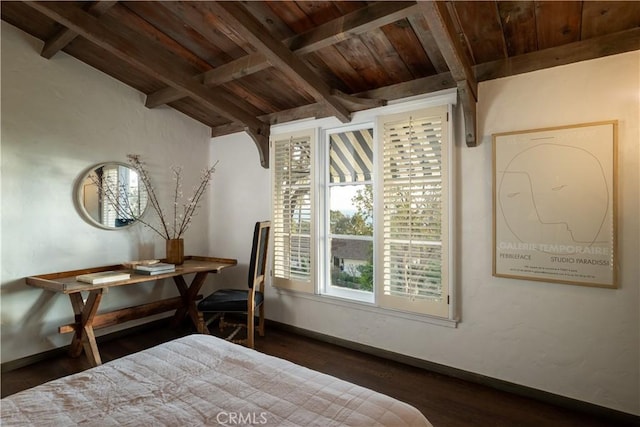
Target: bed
{"x": 203, "y": 380}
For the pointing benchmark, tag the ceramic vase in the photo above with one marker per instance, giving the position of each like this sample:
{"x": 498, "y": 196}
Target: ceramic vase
{"x": 175, "y": 251}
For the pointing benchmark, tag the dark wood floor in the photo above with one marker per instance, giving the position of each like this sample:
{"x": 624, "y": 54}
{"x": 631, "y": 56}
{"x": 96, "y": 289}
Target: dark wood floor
{"x": 445, "y": 401}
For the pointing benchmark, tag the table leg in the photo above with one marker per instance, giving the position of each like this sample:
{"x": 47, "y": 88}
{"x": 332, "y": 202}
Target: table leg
{"x": 75, "y": 349}
{"x": 189, "y": 295}
{"x": 84, "y": 337}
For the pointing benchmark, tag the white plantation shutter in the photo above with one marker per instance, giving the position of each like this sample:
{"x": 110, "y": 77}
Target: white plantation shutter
{"x": 293, "y": 211}
{"x": 414, "y": 245}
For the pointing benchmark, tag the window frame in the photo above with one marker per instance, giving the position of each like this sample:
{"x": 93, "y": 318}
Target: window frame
{"x": 445, "y": 99}
{"x": 324, "y": 263}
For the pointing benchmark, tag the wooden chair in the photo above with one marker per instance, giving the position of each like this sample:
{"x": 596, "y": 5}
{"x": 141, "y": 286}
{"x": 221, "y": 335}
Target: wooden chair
{"x": 241, "y": 300}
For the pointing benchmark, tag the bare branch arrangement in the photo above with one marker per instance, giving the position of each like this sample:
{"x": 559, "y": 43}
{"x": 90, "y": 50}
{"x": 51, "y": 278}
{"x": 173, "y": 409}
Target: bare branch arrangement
{"x": 181, "y": 217}
{"x": 183, "y": 212}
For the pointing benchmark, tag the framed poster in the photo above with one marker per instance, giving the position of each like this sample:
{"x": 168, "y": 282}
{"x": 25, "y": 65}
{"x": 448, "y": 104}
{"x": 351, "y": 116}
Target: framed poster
{"x": 554, "y": 204}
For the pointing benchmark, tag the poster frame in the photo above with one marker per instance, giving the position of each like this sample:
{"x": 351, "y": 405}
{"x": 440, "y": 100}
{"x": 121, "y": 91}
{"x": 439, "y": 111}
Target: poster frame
{"x": 555, "y": 268}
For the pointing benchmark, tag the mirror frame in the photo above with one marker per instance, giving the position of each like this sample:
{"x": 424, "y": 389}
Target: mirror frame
{"x": 79, "y": 192}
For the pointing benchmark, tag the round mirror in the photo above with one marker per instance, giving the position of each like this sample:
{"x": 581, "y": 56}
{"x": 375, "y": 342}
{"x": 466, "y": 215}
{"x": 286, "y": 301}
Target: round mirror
{"x": 111, "y": 195}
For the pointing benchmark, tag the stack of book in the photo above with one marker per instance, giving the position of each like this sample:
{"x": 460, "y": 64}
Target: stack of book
{"x": 153, "y": 269}
{"x": 103, "y": 277}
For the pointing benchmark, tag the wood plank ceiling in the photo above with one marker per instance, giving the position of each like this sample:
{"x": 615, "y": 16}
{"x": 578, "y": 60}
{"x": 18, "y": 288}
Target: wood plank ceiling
{"x": 238, "y": 66}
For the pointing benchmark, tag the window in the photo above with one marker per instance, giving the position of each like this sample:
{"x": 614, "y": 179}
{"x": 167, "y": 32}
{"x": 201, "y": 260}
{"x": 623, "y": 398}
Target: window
{"x": 293, "y": 222}
{"x": 382, "y": 212}
{"x": 348, "y": 261}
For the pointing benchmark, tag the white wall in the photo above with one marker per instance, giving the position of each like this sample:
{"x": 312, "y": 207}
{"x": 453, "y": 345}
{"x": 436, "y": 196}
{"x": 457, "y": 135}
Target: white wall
{"x": 240, "y": 197}
{"x": 59, "y": 117}
{"x": 579, "y": 342}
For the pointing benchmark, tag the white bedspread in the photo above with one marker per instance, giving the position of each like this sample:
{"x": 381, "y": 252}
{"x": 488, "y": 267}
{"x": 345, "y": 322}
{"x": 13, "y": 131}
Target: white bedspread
{"x": 203, "y": 380}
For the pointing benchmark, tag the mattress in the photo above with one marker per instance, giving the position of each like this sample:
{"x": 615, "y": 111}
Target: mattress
{"x": 203, "y": 380}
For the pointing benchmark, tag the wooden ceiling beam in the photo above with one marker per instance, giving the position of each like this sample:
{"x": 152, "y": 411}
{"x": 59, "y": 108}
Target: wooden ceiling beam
{"x": 233, "y": 70}
{"x": 280, "y": 56}
{"x": 365, "y": 100}
{"x": 225, "y": 73}
{"x": 65, "y": 36}
{"x": 612, "y": 44}
{"x": 144, "y": 56}
{"x": 356, "y": 101}
{"x": 317, "y": 110}
{"x": 350, "y": 25}
{"x": 443, "y": 30}
{"x": 358, "y": 22}
{"x": 420, "y": 27}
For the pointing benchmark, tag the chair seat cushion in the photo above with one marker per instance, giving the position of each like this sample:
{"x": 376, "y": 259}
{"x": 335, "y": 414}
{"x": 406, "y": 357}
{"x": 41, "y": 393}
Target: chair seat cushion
{"x": 228, "y": 300}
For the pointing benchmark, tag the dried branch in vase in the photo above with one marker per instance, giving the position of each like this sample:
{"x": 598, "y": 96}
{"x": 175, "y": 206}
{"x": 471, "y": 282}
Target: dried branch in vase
{"x": 183, "y": 212}
{"x": 181, "y": 221}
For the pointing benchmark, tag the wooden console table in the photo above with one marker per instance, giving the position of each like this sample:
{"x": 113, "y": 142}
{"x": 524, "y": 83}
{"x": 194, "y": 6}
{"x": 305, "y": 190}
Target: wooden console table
{"x": 87, "y": 318}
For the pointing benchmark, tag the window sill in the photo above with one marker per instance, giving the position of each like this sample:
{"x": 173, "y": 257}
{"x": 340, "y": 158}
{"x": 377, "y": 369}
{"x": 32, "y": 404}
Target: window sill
{"x": 371, "y": 308}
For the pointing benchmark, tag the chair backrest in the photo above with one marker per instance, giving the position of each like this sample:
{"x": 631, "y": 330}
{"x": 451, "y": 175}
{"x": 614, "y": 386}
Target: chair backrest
{"x": 259, "y": 249}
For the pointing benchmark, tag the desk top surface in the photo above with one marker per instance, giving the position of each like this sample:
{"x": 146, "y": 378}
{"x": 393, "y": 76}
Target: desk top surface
{"x": 65, "y": 281}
